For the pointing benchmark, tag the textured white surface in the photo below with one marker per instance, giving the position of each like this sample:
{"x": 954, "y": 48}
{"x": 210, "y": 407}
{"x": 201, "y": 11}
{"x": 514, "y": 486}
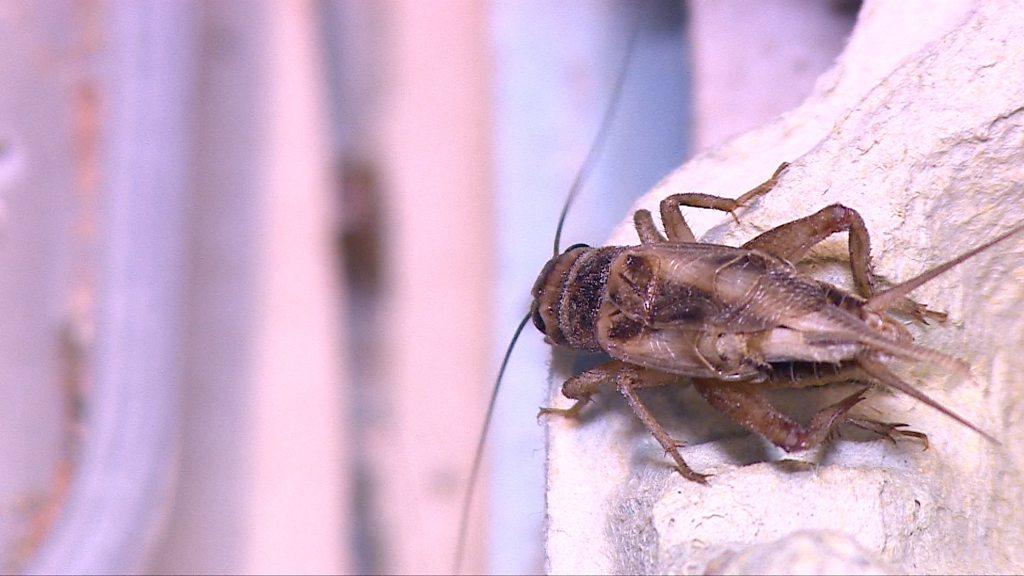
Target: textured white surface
{"x": 923, "y": 132}
{"x": 804, "y": 552}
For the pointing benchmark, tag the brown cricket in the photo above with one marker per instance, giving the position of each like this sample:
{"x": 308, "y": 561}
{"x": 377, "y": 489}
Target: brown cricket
{"x": 735, "y": 321}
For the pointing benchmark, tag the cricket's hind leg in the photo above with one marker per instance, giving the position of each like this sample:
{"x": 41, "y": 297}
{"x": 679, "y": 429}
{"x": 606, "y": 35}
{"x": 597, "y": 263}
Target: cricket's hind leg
{"x": 744, "y": 404}
{"x": 792, "y": 240}
{"x": 807, "y": 375}
{"x": 891, "y": 431}
{"x": 628, "y": 379}
{"x": 672, "y": 214}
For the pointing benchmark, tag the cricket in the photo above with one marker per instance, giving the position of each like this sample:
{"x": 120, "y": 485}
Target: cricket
{"x": 735, "y": 321}
{"x": 732, "y": 321}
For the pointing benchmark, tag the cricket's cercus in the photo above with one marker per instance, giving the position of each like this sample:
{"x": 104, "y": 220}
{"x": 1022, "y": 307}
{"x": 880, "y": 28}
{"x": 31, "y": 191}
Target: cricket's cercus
{"x": 736, "y": 321}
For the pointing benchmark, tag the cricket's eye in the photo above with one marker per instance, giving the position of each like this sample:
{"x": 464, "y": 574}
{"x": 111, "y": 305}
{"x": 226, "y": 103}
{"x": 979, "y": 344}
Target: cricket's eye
{"x": 538, "y": 321}
{"x": 575, "y": 246}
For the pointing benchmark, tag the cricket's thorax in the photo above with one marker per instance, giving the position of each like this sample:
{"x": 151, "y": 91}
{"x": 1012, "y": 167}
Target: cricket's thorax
{"x": 568, "y": 293}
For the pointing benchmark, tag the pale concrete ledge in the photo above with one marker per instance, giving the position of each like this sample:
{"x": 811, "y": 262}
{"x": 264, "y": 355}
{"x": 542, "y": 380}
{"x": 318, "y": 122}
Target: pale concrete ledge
{"x": 920, "y": 126}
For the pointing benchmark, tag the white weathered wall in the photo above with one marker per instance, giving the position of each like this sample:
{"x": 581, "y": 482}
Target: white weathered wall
{"x": 923, "y": 132}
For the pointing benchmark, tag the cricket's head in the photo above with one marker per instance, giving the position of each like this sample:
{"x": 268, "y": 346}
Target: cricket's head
{"x": 549, "y": 290}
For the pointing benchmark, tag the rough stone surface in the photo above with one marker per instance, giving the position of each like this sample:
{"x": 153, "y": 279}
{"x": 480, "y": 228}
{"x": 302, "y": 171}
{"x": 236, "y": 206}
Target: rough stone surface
{"x": 921, "y": 129}
{"x": 804, "y": 552}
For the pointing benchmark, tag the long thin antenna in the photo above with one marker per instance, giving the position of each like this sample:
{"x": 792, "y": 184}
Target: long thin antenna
{"x": 602, "y": 132}
{"x": 478, "y": 455}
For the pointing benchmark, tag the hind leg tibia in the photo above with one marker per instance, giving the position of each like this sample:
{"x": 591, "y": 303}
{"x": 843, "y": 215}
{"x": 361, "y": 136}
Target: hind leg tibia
{"x": 745, "y": 405}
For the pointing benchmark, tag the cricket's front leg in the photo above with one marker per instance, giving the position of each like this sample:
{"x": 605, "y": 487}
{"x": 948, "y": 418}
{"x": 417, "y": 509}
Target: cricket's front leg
{"x": 628, "y": 379}
{"x": 582, "y": 386}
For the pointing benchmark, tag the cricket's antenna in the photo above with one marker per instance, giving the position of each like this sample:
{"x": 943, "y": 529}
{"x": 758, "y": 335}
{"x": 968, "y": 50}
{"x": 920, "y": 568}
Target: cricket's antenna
{"x": 602, "y": 132}
{"x": 478, "y": 455}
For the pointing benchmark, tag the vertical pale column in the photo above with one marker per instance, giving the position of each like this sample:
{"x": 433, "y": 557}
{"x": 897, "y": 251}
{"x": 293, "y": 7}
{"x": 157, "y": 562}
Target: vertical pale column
{"x": 208, "y": 526}
{"x": 45, "y": 153}
{"x": 436, "y": 160}
{"x": 126, "y": 465}
{"x": 262, "y": 486}
{"x": 297, "y": 511}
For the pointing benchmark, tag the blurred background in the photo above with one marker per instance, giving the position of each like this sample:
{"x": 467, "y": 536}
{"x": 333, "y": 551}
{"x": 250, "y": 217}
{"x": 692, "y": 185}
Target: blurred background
{"x": 259, "y": 260}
